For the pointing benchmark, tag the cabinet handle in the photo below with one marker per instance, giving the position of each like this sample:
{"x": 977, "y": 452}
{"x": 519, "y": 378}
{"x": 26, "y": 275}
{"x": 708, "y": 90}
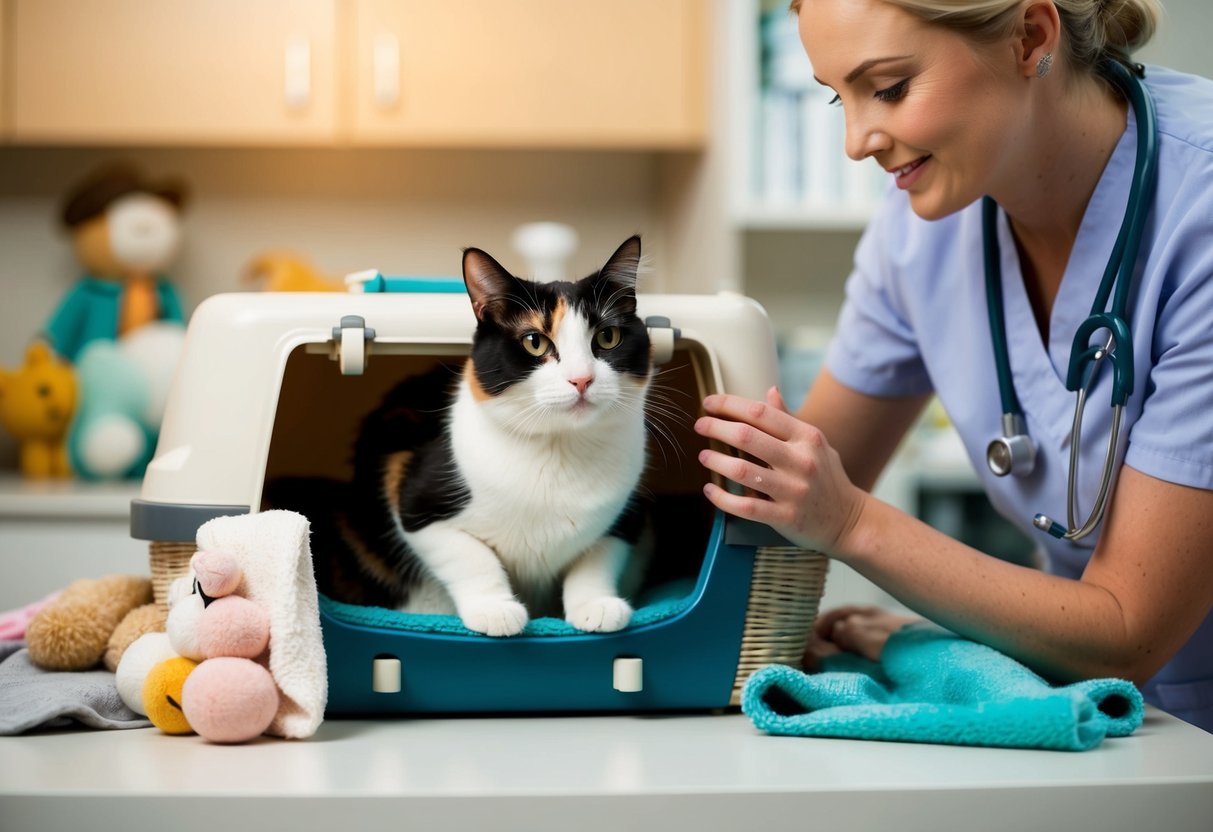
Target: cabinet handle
{"x": 385, "y": 69}
{"x": 298, "y": 77}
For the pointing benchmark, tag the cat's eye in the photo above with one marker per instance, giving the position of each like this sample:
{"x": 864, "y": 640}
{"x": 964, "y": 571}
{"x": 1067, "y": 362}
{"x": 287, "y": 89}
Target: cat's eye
{"x": 608, "y": 338}
{"x": 536, "y": 344}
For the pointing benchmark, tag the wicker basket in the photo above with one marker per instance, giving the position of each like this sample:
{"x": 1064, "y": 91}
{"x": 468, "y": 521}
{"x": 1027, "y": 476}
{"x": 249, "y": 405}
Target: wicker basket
{"x": 785, "y": 591}
{"x": 169, "y": 561}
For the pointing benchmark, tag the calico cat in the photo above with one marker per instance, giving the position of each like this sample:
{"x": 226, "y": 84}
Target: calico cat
{"x": 507, "y": 488}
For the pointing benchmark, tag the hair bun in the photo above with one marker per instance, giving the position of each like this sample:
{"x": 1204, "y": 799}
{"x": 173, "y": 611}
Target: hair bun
{"x": 1127, "y": 24}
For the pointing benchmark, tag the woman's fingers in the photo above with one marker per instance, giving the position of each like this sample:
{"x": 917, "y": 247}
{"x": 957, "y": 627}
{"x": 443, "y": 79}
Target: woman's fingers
{"x": 775, "y": 400}
{"x": 743, "y": 472}
{"x": 759, "y": 509}
{"x": 860, "y": 635}
{"x": 816, "y": 650}
{"x": 765, "y": 416}
{"x": 859, "y": 629}
{"x": 744, "y": 437}
{"x": 824, "y": 625}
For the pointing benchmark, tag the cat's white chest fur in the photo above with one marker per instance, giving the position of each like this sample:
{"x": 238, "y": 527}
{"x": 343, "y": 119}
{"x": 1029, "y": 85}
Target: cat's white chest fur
{"x": 539, "y": 502}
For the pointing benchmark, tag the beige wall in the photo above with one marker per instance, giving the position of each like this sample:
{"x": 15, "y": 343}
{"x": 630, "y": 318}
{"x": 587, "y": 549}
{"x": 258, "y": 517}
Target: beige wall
{"x": 404, "y": 212}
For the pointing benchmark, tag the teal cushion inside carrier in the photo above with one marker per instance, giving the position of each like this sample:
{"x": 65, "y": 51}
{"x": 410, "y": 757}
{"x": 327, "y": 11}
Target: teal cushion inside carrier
{"x": 657, "y": 605}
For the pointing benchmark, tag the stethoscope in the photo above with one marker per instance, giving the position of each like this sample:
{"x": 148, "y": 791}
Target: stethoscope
{"x": 1014, "y": 451}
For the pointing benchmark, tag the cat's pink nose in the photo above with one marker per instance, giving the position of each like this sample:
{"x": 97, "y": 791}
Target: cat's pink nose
{"x": 581, "y": 383}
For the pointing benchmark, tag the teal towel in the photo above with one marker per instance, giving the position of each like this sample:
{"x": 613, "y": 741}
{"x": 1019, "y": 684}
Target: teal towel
{"x": 933, "y": 686}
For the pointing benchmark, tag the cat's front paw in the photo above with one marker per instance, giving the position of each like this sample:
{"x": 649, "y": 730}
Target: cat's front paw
{"x": 600, "y": 615}
{"x": 494, "y": 618}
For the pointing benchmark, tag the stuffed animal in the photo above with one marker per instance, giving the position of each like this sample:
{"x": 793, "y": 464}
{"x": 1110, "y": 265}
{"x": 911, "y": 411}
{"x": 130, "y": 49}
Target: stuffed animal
{"x": 281, "y": 271}
{"x": 37, "y": 402}
{"x": 164, "y": 691}
{"x": 123, "y": 389}
{"x": 228, "y": 696}
{"x": 125, "y": 230}
{"x": 74, "y": 631}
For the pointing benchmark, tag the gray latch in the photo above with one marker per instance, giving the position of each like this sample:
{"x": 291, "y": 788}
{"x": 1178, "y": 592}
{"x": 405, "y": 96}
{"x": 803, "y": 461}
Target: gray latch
{"x": 662, "y": 336}
{"x": 351, "y": 338}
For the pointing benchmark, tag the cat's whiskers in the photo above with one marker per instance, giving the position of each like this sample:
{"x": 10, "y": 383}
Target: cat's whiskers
{"x": 520, "y": 423}
{"x": 663, "y": 440}
{"x": 658, "y": 408}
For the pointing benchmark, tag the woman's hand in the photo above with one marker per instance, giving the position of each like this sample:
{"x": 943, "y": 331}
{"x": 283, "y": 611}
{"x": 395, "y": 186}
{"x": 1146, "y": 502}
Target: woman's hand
{"x": 852, "y": 629}
{"x": 793, "y": 480}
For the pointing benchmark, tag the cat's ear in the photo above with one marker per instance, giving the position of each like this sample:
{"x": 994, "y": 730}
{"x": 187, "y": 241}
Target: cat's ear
{"x": 624, "y": 264}
{"x": 485, "y": 279}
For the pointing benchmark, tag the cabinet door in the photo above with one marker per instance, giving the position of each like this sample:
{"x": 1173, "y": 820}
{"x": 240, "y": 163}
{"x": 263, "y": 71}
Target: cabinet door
{"x": 173, "y": 71}
{"x": 3, "y": 68}
{"x": 537, "y": 73}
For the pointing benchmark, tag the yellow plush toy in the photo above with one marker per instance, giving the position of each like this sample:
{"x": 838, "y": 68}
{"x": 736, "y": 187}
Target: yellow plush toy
{"x": 162, "y": 695}
{"x": 282, "y": 271}
{"x": 37, "y": 401}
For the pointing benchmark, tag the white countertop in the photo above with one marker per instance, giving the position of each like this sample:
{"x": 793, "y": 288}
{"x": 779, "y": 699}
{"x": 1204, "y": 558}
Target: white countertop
{"x": 695, "y": 772}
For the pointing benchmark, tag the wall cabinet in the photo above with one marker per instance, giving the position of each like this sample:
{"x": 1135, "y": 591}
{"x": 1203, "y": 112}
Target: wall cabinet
{"x": 530, "y": 72}
{"x": 173, "y": 71}
{"x": 534, "y": 73}
{"x": 3, "y": 67}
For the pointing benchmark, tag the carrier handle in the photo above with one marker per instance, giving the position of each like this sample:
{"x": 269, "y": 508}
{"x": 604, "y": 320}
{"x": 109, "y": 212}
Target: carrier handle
{"x": 352, "y": 337}
{"x": 662, "y": 335}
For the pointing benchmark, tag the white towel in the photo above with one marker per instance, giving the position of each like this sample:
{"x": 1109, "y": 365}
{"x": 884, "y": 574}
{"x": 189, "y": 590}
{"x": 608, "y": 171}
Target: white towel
{"x": 273, "y": 550}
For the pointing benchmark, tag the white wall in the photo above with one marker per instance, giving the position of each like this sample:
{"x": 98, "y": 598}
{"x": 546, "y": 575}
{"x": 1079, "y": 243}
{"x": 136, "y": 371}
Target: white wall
{"x": 1182, "y": 42}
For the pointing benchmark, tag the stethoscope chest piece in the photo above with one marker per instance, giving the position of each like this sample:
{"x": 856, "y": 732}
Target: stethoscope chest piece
{"x": 1014, "y": 452}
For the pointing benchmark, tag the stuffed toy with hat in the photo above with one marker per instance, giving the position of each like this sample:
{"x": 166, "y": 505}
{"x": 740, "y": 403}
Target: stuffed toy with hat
{"x": 37, "y": 401}
{"x": 122, "y": 323}
{"x": 207, "y": 674}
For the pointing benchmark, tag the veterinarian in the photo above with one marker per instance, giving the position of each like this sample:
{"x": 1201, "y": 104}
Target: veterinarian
{"x": 1043, "y": 263}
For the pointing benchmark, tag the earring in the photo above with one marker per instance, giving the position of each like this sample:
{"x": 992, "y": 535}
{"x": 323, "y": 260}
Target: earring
{"x": 1044, "y": 65}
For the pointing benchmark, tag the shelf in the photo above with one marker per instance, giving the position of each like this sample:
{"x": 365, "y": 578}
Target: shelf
{"x": 791, "y": 210}
{"x": 758, "y": 217}
{"x": 66, "y": 499}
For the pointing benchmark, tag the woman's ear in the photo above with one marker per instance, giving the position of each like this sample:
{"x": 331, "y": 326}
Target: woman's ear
{"x": 1037, "y": 35}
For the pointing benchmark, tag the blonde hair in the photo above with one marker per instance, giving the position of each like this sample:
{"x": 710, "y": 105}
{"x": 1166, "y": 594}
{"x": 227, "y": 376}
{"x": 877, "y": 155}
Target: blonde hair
{"x": 1094, "y": 29}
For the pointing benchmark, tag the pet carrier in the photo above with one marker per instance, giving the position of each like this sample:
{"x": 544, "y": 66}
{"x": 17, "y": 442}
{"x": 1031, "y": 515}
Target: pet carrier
{"x": 275, "y": 385}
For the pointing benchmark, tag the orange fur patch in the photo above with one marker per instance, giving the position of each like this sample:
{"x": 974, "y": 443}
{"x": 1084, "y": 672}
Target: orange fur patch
{"x": 469, "y": 373}
{"x": 370, "y": 562}
{"x": 558, "y": 314}
{"x": 393, "y": 475}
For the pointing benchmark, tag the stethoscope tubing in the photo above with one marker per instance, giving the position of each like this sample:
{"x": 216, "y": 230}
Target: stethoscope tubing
{"x": 1084, "y": 358}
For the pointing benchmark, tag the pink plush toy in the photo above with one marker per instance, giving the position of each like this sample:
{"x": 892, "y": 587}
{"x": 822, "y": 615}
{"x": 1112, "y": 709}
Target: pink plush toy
{"x": 230, "y": 697}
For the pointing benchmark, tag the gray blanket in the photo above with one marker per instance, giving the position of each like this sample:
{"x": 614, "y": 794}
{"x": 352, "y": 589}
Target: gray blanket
{"x": 32, "y": 698}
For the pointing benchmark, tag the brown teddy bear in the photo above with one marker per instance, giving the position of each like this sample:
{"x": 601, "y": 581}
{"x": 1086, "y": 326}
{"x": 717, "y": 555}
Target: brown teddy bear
{"x": 93, "y": 620}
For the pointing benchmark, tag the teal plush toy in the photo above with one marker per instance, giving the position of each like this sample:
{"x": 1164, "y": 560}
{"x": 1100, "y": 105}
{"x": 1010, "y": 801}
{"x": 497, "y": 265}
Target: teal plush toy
{"x": 123, "y": 385}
